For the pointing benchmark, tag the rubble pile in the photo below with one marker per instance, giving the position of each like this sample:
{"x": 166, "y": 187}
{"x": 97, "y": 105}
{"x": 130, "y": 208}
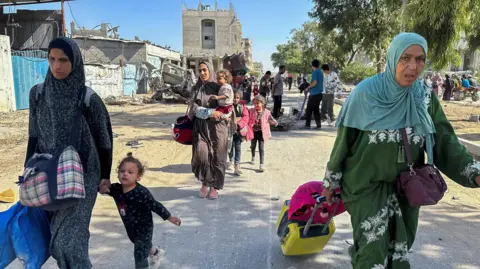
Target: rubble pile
{"x": 174, "y": 93}
{"x": 287, "y": 120}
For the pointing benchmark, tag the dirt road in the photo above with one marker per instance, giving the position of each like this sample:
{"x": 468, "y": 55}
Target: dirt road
{"x": 238, "y": 230}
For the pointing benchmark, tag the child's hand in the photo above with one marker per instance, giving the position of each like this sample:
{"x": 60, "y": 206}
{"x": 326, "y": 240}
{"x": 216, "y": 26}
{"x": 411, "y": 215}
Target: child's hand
{"x": 175, "y": 220}
{"x": 104, "y": 187}
{"x": 214, "y": 97}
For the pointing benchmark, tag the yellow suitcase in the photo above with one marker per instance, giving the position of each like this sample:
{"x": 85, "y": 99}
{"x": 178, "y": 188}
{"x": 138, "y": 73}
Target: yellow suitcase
{"x": 292, "y": 238}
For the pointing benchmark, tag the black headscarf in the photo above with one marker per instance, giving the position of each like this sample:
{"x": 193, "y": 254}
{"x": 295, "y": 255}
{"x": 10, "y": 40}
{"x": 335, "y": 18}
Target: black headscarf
{"x": 59, "y": 100}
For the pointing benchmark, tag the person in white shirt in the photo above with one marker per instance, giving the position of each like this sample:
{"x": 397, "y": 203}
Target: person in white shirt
{"x": 332, "y": 85}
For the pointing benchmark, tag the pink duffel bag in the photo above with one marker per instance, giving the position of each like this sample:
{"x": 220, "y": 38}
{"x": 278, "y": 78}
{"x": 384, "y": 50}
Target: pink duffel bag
{"x": 304, "y": 199}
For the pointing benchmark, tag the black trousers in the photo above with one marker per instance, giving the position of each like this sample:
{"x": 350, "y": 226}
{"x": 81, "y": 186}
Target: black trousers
{"x": 142, "y": 246}
{"x": 313, "y": 107}
{"x": 277, "y": 105}
{"x": 258, "y": 137}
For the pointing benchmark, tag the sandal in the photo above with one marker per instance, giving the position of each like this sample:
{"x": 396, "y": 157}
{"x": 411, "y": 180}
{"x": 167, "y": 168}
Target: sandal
{"x": 203, "y": 192}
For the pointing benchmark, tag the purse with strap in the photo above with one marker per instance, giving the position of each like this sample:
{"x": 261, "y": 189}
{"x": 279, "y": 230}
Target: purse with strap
{"x": 422, "y": 185}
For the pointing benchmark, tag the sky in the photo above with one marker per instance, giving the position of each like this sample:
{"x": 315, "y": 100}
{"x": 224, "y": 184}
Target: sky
{"x": 266, "y": 22}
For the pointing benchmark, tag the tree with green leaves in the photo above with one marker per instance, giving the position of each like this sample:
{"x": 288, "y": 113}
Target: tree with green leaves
{"x": 450, "y": 28}
{"x": 365, "y": 24}
{"x": 310, "y": 42}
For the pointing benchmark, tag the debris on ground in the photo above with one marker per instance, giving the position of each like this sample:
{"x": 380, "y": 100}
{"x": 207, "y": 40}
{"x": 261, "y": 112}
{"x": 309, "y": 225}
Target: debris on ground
{"x": 115, "y": 135}
{"x": 134, "y": 144}
{"x": 287, "y": 120}
{"x": 174, "y": 93}
{"x": 275, "y": 198}
{"x": 474, "y": 118}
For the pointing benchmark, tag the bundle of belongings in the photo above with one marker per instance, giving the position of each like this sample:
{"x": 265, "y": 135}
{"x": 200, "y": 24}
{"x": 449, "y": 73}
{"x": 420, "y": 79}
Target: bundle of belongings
{"x": 24, "y": 234}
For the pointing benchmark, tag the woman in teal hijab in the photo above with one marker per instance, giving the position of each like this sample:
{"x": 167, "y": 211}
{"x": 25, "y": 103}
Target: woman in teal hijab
{"x": 368, "y": 154}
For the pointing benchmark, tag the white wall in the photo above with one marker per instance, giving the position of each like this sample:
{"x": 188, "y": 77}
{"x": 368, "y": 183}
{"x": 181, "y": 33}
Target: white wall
{"x": 105, "y": 80}
{"x": 163, "y": 53}
{"x": 7, "y": 92}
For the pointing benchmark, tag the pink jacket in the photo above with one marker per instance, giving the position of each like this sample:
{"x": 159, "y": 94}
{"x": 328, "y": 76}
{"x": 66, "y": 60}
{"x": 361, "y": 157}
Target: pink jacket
{"x": 265, "y": 121}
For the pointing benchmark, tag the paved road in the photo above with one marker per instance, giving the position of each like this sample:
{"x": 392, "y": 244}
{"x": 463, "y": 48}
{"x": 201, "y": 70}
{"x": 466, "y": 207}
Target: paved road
{"x": 238, "y": 231}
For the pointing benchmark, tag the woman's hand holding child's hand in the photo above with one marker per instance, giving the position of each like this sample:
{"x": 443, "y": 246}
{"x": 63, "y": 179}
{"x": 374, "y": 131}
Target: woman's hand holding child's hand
{"x": 175, "y": 220}
{"x": 104, "y": 186}
{"x": 214, "y": 97}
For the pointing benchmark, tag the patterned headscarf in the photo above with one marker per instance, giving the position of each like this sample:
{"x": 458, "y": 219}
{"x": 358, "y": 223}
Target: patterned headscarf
{"x": 59, "y": 101}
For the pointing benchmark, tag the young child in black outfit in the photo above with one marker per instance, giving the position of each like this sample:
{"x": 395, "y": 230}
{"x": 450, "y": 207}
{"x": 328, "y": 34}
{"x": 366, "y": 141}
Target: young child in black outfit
{"x": 135, "y": 204}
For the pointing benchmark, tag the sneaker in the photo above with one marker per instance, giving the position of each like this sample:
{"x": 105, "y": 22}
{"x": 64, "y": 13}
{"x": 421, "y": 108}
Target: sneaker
{"x": 237, "y": 171}
{"x": 318, "y": 128}
{"x": 155, "y": 260}
{"x": 261, "y": 169}
{"x": 253, "y": 160}
{"x": 305, "y": 128}
{"x": 230, "y": 166}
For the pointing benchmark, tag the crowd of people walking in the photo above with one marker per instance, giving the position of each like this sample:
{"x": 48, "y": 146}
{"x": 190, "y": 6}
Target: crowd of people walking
{"x": 394, "y": 105}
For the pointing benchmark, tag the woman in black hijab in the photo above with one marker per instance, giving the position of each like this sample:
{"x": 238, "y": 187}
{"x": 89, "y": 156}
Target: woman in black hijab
{"x": 52, "y": 112}
{"x": 448, "y": 85}
{"x": 210, "y": 135}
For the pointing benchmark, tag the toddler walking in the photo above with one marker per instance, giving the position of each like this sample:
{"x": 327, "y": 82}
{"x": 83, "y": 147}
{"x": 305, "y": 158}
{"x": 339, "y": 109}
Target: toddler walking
{"x": 135, "y": 204}
{"x": 225, "y": 94}
{"x": 259, "y": 122}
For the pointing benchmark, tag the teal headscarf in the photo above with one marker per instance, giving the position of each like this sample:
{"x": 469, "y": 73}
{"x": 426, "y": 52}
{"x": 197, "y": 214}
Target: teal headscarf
{"x": 380, "y": 103}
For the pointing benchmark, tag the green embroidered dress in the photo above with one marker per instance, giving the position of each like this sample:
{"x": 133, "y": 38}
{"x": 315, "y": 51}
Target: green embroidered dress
{"x": 366, "y": 164}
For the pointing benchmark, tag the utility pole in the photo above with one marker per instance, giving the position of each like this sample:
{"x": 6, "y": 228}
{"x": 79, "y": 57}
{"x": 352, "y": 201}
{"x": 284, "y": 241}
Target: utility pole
{"x": 63, "y": 19}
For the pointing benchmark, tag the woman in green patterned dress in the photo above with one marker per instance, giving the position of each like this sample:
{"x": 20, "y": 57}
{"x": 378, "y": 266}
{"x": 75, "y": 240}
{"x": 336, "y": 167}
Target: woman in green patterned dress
{"x": 367, "y": 156}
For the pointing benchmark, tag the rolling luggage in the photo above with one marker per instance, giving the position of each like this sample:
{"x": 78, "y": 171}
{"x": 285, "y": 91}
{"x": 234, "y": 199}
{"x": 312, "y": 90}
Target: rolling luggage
{"x": 307, "y": 230}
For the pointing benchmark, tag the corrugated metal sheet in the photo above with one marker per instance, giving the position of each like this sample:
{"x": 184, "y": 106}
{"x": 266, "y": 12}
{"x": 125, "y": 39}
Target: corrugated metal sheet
{"x": 27, "y": 72}
{"x": 129, "y": 79}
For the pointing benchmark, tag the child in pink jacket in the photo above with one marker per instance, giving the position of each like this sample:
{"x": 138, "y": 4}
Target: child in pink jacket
{"x": 259, "y": 123}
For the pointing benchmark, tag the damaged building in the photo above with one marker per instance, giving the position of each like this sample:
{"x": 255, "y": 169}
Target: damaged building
{"x": 210, "y": 34}
{"x": 31, "y": 29}
{"x": 141, "y": 60}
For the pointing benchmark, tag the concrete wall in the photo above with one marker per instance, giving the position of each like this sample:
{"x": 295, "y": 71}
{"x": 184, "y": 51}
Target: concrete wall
{"x": 105, "y": 80}
{"x": 228, "y": 35}
{"x": 7, "y": 92}
{"x": 36, "y": 28}
{"x": 163, "y": 53}
{"x": 111, "y": 51}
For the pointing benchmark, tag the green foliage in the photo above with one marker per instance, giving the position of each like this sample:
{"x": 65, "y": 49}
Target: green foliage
{"x": 355, "y": 72}
{"x": 441, "y": 23}
{"x": 255, "y": 74}
{"x": 308, "y": 43}
{"x": 343, "y": 28}
{"x": 368, "y": 24}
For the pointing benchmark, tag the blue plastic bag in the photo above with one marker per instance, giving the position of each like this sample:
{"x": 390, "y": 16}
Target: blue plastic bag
{"x": 30, "y": 236}
{"x": 24, "y": 234}
{"x": 7, "y": 254}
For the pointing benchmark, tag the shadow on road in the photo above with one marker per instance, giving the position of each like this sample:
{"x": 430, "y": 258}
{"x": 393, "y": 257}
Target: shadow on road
{"x": 174, "y": 168}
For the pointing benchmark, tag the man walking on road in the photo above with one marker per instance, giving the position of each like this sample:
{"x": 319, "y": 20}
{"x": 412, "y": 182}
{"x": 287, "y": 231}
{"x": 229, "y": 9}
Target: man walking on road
{"x": 316, "y": 93}
{"x": 332, "y": 84}
{"x": 278, "y": 92}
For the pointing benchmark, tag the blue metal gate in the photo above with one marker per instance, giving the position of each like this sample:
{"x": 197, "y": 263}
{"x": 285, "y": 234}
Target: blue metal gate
{"x": 29, "y": 69}
{"x": 129, "y": 79}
